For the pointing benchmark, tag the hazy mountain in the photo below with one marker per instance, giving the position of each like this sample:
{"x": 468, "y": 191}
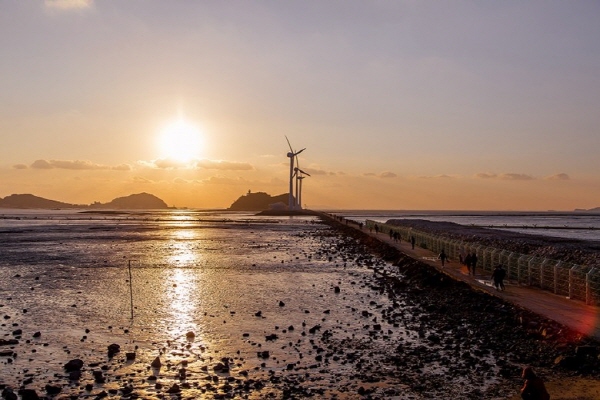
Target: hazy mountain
{"x": 134, "y": 201}
{"x": 31, "y": 201}
{"x": 258, "y": 201}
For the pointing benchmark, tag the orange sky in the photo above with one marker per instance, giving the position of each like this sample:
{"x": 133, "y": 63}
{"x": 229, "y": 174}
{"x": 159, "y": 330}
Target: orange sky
{"x": 401, "y": 105}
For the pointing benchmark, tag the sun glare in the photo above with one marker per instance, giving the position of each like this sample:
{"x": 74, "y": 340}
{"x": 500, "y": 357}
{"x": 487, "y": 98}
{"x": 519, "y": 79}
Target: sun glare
{"x": 180, "y": 141}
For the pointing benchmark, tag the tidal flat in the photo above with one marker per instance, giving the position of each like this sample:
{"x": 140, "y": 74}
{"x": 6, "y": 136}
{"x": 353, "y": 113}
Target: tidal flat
{"x": 236, "y": 306}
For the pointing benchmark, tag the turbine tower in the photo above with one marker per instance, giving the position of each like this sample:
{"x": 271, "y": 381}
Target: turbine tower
{"x": 299, "y": 174}
{"x": 292, "y": 155}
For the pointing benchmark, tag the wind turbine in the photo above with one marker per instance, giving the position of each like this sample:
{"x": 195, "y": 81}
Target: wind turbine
{"x": 299, "y": 177}
{"x": 292, "y": 155}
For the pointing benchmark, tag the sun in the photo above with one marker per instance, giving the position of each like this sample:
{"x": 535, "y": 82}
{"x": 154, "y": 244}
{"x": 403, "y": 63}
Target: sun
{"x": 180, "y": 141}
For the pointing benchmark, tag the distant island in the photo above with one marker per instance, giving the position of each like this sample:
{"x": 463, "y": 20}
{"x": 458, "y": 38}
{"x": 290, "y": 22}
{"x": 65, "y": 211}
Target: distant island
{"x": 140, "y": 201}
{"x": 260, "y": 201}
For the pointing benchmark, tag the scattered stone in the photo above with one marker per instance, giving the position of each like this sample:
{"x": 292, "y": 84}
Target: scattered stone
{"x": 156, "y": 363}
{"x": 73, "y": 365}
{"x": 174, "y": 389}
{"x": 53, "y": 390}
{"x": 113, "y": 349}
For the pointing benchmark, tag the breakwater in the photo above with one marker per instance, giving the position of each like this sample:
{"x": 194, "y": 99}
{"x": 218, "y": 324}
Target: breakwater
{"x": 534, "y": 268}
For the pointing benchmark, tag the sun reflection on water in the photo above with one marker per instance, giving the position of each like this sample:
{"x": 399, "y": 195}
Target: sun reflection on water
{"x": 184, "y": 248}
{"x": 183, "y": 283}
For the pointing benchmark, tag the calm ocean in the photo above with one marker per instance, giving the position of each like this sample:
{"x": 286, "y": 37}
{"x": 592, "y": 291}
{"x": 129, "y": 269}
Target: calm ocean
{"x": 584, "y": 226}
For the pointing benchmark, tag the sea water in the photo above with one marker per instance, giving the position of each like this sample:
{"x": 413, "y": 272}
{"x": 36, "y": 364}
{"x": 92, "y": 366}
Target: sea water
{"x": 572, "y": 225}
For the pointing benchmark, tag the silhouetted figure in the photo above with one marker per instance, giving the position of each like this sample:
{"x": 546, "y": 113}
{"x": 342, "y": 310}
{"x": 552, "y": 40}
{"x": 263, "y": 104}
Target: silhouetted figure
{"x": 443, "y": 257}
{"x": 473, "y": 262}
{"x": 376, "y": 229}
{"x": 468, "y": 262}
{"x": 412, "y": 242}
{"x": 391, "y": 234}
{"x": 360, "y": 226}
{"x": 498, "y": 277}
{"x": 534, "y": 388}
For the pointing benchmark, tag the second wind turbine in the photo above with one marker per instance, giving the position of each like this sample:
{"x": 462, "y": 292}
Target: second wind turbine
{"x": 292, "y": 156}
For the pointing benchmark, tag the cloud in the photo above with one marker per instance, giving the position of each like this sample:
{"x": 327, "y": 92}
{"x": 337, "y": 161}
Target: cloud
{"x": 516, "y": 177}
{"x": 41, "y": 164}
{"x": 559, "y": 177}
{"x": 483, "y": 175}
{"x": 68, "y": 4}
{"x": 70, "y": 164}
{"x": 20, "y": 166}
{"x": 122, "y": 167}
{"x": 384, "y": 175}
{"x": 441, "y": 176}
{"x": 166, "y": 163}
{"x": 316, "y": 171}
{"x": 505, "y": 177}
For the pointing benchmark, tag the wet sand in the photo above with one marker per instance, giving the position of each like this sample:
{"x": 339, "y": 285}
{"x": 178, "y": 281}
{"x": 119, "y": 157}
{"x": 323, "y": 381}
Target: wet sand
{"x": 272, "y": 312}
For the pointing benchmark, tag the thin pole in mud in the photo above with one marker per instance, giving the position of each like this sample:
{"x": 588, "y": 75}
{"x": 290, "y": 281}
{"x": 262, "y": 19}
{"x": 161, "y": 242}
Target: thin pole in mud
{"x": 130, "y": 288}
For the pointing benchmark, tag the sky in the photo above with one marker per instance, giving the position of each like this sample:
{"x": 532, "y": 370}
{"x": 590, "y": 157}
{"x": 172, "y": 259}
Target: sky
{"x": 404, "y": 105}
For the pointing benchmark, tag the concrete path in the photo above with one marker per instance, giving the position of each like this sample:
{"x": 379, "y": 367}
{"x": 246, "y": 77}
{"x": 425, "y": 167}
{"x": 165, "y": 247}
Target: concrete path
{"x": 572, "y": 313}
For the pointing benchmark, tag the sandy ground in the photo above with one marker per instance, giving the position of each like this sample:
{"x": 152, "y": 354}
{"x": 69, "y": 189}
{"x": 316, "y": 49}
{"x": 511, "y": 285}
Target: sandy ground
{"x": 571, "y": 388}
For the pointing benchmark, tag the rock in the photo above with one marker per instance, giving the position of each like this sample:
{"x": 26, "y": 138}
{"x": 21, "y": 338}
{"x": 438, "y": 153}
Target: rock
{"x": 6, "y": 353}
{"x": 28, "y": 394}
{"x": 263, "y": 354}
{"x": 73, "y": 365}
{"x": 271, "y": 337}
{"x": 75, "y": 375}
{"x": 17, "y": 332}
{"x": 220, "y": 367}
{"x": 99, "y": 376}
{"x": 336, "y": 289}
{"x": 8, "y": 342}
{"x": 258, "y": 314}
{"x": 113, "y": 349}
{"x": 156, "y": 363}
{"x": 37, "y": 334}
{"x": 174, "y": 389}
{"x": 8, "y": 394}
{"x": 281, "y": 304}
{"x": 53, "y": 389}
{"x": 130, "y": 356}
{"x": 190, "y": 335}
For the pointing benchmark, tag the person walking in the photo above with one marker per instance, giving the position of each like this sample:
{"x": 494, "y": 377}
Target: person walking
{"x": 443, "y": 257}
{"x": 533, "y": 388}
{"x": 412, "y": 242}
{"x": 473, "y": 262}
{"x": 498, "y": 277}
{"x": 468, "y": 263}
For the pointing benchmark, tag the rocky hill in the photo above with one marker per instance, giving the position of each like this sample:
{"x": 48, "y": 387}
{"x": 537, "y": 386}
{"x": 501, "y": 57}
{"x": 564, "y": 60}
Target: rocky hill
{"x": 134, "y": 201}
{"x": 31, "y": 201}
{"x": 258, "y": 201}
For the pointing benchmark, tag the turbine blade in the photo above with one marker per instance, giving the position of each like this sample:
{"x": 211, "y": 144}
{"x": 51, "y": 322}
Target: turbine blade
{"x": 305, "y": 173}
{"x": 289, "y": 144}
{"x": 298, "y": 152}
